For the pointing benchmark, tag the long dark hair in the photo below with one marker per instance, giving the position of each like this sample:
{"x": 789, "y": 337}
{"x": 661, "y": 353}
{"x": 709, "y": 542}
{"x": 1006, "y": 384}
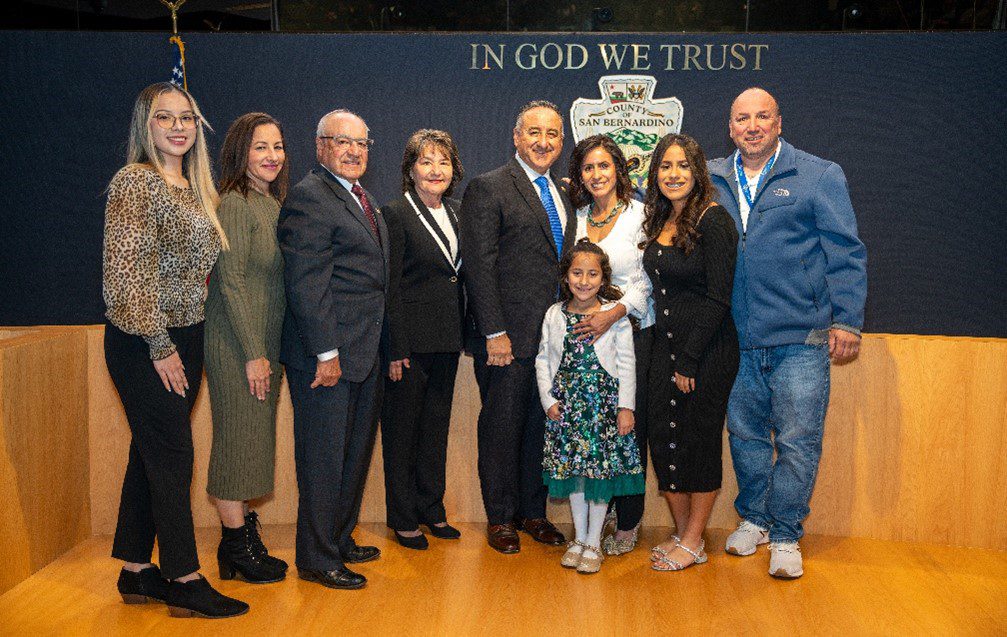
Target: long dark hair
{"x": 579, "y": 195}
{"x": 657, "y": 207}
{"x": 607, "y": 291}
{"x": 234, "y": 157}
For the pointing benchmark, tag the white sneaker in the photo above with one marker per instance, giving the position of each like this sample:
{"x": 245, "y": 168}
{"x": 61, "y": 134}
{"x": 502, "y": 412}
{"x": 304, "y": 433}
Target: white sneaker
{"x": 745, "y": 538}
{"x": 785, "y": 560}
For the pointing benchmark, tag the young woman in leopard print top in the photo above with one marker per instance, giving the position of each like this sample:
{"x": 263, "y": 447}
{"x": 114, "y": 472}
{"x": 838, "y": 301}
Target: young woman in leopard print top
{"x": 162, "y": 238}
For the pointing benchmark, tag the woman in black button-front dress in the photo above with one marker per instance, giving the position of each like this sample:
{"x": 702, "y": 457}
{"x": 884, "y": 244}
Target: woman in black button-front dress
{"x": 690, "y": 255}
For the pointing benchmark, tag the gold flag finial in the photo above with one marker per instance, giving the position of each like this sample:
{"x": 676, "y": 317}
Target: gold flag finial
{"x": 173, "y": 7}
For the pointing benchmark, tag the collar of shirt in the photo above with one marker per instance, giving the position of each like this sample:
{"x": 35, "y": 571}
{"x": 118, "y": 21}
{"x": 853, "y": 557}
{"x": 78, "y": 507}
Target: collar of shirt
{"x": 532, "y": 175}
{"x": 347, "y": 185}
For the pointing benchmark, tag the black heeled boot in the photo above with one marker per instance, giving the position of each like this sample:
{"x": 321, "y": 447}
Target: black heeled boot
{"x": 237, "y": 555}
{"x": 196, "y": 598}
{"x": 142, "y": 587}
{"x": 252, "y": 521}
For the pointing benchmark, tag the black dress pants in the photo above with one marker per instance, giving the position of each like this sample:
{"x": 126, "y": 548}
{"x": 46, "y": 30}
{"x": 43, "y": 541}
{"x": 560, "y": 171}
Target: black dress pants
{"x": 629, "y": 508}
{"x": 155, "y": 490}
{"x": 415, "y": 417}
{"x": 334, "y": 429}
{"x": 511, "y": 433}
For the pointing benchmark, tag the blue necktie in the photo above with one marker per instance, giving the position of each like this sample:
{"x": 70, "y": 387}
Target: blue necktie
{"x": 550, "y": 209}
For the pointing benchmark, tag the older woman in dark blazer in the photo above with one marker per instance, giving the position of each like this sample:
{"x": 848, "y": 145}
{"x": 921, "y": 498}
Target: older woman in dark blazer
{"x": 426, "y": 309}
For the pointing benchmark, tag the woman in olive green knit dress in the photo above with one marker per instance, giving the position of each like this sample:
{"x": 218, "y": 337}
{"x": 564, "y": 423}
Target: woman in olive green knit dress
{"x": 244, "y": 317}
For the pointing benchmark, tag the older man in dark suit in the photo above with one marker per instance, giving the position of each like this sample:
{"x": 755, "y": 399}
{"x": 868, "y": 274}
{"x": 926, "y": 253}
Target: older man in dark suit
{"x": 335, "y": 254}
{"x": 515, "y": 222}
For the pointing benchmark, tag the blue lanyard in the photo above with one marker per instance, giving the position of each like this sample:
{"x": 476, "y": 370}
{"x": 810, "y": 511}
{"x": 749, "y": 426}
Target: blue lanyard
{"x": 743, "y": 180}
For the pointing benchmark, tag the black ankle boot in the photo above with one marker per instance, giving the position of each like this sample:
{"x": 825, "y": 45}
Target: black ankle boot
{"x": 237, "y": 555}
{"x": 196, "y": 598}
{"x": 142, "y": 587}
{"x": 252, "y": 521}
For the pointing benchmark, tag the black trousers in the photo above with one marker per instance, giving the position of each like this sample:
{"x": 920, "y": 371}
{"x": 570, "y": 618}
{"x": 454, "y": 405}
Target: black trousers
{"x": 155, "y": 490}
{"x": 334, "y": 430}
{"x": 415, "y": 416}
{"x": 629, "y": 508}
{"x": 511, "y": 433}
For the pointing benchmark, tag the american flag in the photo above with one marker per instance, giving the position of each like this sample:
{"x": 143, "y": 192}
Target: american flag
{"x": 178, "y": 70}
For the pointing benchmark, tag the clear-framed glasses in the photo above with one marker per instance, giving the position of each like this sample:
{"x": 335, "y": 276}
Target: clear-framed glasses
{"x": 167, "y": 120}
{"x": 343, "y": 142}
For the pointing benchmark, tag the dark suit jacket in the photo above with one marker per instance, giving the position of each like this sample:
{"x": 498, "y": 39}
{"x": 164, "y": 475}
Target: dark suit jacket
{"x": 511, "y": 265}
{"x": 426, "y": 302}
{"x": 336, "y": 276}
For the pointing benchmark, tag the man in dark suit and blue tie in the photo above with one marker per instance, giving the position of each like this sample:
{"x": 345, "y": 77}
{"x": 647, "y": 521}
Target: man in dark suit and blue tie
{"x": 335, "y": 250}
{"x": 515, "y": 222}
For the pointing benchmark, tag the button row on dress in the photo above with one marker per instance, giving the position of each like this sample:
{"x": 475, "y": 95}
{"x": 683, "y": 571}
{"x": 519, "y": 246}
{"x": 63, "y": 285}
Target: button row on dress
{"x": 673, "y": 403}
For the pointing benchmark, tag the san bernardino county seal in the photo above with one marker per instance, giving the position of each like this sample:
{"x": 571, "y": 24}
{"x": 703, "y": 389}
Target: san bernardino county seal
{"x": 629, "y": 114}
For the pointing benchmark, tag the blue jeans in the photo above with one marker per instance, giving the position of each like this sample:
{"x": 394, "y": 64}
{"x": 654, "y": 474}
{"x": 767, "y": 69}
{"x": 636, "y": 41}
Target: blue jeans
{"x": 778, "y": 403}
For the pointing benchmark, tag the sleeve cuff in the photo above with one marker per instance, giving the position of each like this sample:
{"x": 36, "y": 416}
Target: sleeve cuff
{"x": 329, "y": 355}
{"x": 846, "y": 328}
{"x": 161, "y": 346}
{"x": 495, "y": 334}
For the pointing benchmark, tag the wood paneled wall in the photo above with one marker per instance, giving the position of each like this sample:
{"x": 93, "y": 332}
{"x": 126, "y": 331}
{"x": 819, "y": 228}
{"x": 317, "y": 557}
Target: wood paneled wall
{"x": 43, "y": 448}
{"x": 914, "y": 449}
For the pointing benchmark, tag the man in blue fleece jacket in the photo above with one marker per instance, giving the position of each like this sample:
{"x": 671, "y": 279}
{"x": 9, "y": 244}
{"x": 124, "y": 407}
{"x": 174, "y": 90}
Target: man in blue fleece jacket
{"x": 799, "y": 289}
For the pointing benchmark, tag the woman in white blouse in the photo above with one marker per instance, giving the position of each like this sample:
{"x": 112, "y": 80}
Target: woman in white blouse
{"x": 607, "y": 214}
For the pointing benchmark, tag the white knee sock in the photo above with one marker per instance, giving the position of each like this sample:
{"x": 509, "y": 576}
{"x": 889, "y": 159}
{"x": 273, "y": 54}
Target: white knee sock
{"x": 579, "y": 511}
{"x": 596, "y": 522}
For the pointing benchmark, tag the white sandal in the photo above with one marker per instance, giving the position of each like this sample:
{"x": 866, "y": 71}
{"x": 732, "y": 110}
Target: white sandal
{"x": 665, "y": 563}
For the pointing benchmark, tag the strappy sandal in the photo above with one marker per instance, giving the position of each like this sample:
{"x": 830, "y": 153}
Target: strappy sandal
{"x": 657, "y": 552}
{"x": 591, "y": 564}
{"x": 571, "y": 559}
{"x": 665, "y": 563}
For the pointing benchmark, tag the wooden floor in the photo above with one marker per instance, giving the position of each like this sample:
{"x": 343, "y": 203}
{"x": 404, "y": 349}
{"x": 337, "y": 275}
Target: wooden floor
{"x": 850, "y": 586}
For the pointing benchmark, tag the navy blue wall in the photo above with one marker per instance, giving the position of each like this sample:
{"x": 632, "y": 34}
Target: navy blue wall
{"x": 916, "y": 120}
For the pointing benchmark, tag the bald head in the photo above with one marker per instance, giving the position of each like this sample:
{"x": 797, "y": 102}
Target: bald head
{"x": 755, "y": 126}
{"x": 756, "y": 96}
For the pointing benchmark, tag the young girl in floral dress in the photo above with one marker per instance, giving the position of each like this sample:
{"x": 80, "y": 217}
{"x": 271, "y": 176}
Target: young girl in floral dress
{"x": 588, "y": 388}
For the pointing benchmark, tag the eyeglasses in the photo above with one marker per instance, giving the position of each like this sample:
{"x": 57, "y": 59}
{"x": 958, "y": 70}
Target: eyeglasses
{"x": 167, "y": 120}
{"x": 343, "y": 142}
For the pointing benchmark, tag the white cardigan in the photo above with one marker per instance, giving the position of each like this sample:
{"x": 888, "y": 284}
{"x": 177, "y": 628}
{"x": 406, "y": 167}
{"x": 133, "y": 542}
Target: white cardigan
{"x": 614, "y": 349}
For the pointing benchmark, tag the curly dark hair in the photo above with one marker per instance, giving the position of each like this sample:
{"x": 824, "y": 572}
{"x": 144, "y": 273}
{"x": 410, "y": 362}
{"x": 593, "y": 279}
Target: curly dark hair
{"x": 234, "y": 157}
{"x": 438, "y": 139}
{"x": 607, "y": 291}
{"x": 579, "y": 194}
{"x": 658, "y": 209}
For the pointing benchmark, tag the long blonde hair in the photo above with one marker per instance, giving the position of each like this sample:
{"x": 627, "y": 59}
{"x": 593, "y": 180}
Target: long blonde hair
{"x": 195, "y": 163}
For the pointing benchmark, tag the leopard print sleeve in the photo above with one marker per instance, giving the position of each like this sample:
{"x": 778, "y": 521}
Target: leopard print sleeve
{"x": 130, "y": 272}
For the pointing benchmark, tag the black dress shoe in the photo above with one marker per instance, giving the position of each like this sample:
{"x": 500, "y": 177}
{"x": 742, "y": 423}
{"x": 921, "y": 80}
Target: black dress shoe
{"x": 196, "y": 598}
{"x": 142, "y": 587}
{"x": 359, "y": 554}
{"x": 340, "y": 577}
{"x": 444, "y": 532}
{"x": 416, "y": 542}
